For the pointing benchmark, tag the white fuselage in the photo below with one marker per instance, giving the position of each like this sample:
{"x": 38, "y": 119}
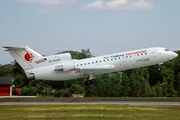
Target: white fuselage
{"x": 120, "y": 62}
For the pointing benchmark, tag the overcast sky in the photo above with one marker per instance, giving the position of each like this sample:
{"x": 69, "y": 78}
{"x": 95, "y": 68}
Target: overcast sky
{"x": 103, "y": 26}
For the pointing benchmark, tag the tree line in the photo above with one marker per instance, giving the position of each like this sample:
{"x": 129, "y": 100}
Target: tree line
{"x": 140, "y": 82}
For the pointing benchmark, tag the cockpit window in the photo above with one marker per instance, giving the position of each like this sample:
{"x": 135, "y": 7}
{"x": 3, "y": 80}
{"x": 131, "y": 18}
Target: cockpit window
{"x": 166, "y": 49}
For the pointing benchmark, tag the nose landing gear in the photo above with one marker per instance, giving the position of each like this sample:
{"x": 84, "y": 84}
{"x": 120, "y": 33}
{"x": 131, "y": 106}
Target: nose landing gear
{"x": 159, "y": 67}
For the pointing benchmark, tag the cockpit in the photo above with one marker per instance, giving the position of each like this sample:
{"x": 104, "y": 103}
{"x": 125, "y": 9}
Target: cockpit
{"x": 166, "y": 49}
{"x": 168, "y": 53}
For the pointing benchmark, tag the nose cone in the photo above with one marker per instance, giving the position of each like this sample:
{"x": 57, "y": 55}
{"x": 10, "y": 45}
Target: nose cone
{"x": 174, "y": 55}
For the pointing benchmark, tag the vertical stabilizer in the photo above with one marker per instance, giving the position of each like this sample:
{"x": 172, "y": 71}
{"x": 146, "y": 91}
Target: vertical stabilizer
{"x": 25, "y": 56}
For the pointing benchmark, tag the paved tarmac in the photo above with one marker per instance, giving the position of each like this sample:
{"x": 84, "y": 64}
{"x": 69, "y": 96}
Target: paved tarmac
{"x": 140, "y": 103}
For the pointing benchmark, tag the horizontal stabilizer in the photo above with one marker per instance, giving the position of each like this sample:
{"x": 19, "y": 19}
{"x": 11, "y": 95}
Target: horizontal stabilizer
{"x": 10, "y": 48}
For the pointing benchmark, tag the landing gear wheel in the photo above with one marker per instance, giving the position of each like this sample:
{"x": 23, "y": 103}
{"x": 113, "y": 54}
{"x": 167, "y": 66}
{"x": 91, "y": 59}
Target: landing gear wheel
{"x": 90, "y": 82}
{"x": 159, "y": 68}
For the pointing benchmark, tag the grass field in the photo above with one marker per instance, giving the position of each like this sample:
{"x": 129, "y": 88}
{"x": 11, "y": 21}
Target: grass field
{"x": 88, "y": 112}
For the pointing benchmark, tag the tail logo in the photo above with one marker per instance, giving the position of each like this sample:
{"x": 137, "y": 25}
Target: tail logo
{"x": 28, "y": 56}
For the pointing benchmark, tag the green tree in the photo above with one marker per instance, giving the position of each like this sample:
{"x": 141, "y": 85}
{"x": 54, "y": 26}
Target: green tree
{"x": 126, "y": 85}
{"x": 159, "y": 90}
{"x": 6, "y": 70}
{"x": 168, "y": 81}
{"x": 76, "y": 89}
{"x": 178, "y": 84}
{"x": 62, "y": 93}
{"x": 78, "y": 55}
{"x": 176, "y": 73}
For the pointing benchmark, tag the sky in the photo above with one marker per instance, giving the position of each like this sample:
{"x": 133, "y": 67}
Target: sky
{"x": 103, "y": 26}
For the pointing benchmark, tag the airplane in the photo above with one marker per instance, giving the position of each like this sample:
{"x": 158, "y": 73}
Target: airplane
{"x": 62, "y": 67}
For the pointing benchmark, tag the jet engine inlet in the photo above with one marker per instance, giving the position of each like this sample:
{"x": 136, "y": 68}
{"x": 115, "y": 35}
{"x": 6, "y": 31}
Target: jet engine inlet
{"x": 31, "y": 76}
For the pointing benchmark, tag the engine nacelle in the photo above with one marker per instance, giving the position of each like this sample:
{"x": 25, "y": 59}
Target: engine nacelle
{"x": 31, "y": 76}
{"x": 65, "y": 56}
{"x": 59, "y": 58}
{"x": 67, "y": 66}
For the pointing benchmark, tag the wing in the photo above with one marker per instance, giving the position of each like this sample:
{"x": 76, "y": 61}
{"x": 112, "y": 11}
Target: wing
{"x": 95, "y": 69}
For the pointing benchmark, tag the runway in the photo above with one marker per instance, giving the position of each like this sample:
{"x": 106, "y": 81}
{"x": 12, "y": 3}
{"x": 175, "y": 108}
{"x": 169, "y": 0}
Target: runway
{"x": 140, "y": 103}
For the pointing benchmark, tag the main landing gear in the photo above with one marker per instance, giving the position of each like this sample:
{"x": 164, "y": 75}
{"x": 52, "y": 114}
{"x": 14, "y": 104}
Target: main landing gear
{"x": 90, "y": 80}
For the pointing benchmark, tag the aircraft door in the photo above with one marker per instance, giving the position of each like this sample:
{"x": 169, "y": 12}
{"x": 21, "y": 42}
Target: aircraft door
{"x": 120, "y": 60}
{"x": 154, "y": 54}
{"x": 124, "y": 59}
{"x": 124, "y": 65}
